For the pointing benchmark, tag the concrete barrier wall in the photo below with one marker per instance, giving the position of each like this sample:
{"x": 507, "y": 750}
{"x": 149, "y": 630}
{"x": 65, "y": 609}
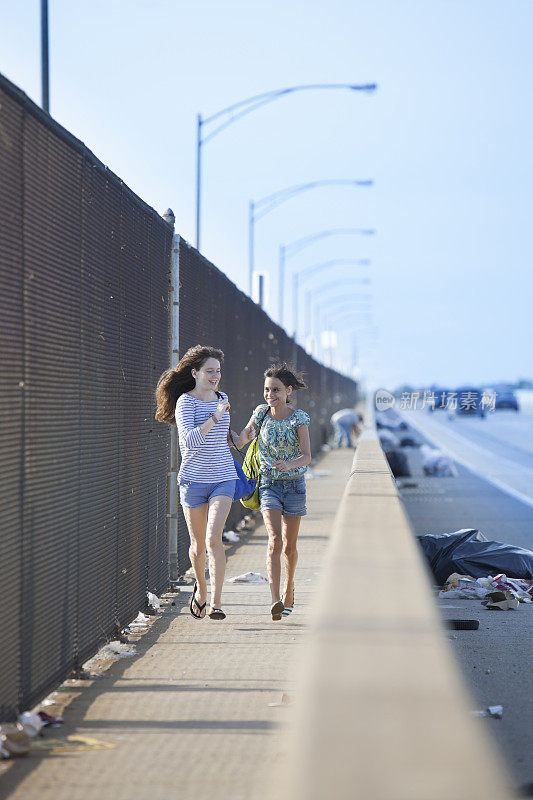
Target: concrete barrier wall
{"x": 383, "y": 713}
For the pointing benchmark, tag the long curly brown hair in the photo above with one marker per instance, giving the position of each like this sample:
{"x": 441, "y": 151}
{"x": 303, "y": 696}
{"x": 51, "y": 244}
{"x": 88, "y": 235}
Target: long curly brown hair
{"x": 178, "y": 380}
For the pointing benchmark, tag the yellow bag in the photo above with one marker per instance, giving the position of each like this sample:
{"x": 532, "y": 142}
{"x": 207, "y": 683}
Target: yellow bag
{"x": 251, "y": 466}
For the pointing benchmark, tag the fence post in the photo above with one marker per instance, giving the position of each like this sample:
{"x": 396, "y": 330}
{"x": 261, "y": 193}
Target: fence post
{"x": 172, "y": 474}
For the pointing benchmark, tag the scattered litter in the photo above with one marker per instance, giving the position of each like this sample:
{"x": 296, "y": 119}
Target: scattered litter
{"x": 153, "y": 601}
{"x": 71, "y": 744}
{"x": 519, "y": 587}
{"x": 465, "y": 587}
{"x": 468, "y": 552}
{"x": 231, "y": 536}
{"x": 437, "y": 463}
{"x": 286, "y": 700}
{"x": 140, "y": 621}
{"x": 31, "y": 722}
{"x": 14, "y": 741}
{"x": 500, "y": 601}
{"x": 113, "y": 649}
{"x": 50, "y": 720}
{"x": 496, "y": 712}
{"x": 248, "y": 577}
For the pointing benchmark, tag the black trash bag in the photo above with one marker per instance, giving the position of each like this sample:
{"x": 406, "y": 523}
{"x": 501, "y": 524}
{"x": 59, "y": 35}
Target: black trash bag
{"x": 398, "y": 463}
{"x": 468, "y": 552}
{"x": 408, "y": 441}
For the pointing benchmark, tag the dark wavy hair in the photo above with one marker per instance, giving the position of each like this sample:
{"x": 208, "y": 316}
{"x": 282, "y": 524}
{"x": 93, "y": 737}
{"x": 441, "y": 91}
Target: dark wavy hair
{"x": 287, "y": 374}
{"x": 178, "y": 380}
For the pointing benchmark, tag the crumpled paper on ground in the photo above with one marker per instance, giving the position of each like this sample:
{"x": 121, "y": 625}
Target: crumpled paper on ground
{"x": 500, "y": 601}
{"x": 231, "y": 536}
{"x": 496, "y": 712}
{"x": 153, "y": 601}
{"x": 248, "y": 577}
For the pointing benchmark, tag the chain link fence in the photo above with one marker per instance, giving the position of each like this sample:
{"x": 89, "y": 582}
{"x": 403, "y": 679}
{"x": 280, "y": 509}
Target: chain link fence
{"x": 84, "y": 295}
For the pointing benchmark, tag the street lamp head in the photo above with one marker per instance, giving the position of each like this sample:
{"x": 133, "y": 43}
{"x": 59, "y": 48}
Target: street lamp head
{"x": 365, "y": 87}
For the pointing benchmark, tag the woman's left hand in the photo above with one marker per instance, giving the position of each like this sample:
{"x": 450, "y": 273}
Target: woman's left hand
{"x": 281, "y": 466}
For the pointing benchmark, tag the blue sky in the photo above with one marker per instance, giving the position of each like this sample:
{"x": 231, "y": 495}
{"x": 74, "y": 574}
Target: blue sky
{"x": 447, "y": 140}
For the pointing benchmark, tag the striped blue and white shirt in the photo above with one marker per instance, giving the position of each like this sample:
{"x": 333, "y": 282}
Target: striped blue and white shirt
{"x": 205, "y": 459}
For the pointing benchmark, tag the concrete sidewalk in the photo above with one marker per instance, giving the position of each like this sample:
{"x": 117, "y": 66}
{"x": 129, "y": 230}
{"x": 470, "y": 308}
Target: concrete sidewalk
{"x": 191, "y": 715}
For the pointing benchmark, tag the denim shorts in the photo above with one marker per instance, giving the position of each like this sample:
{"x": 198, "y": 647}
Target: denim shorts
{"x": 193, "y": 494}
{"x": 287, "y": 495}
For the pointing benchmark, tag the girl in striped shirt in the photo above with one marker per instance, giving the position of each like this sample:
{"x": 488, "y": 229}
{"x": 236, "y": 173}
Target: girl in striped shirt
{"x": 187, "y": 395}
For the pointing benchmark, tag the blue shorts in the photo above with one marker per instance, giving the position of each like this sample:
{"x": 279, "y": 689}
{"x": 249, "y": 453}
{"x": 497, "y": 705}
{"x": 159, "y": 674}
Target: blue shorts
{"x": 193, "y": 494}
{"x": 287, "y": 495}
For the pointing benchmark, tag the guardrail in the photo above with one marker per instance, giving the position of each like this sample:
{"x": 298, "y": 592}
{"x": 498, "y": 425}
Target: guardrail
{"x": 383, "y": 713}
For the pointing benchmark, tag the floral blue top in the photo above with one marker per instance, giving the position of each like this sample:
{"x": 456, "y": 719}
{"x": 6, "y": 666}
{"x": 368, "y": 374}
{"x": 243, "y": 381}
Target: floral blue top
{"x": 278, "y": 441}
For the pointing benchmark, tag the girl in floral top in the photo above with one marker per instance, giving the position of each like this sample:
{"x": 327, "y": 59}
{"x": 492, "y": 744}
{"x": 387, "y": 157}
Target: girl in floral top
{"x": 284, "y": 453}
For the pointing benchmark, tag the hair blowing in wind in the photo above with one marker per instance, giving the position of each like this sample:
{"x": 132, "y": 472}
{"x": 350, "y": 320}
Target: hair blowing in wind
{"x": 178, "y": 380}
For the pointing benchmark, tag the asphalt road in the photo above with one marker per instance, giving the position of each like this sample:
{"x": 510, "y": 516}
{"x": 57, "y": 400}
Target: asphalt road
{"x": 498, "y": 447}
{"x": 496, "y": 660}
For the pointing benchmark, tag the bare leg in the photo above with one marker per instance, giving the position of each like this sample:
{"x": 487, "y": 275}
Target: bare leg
{"x": 219, "y": 507}
{"x": 272, "y": 519}
{"x": 291, "y": 526}
{"x": 196, "y": 519}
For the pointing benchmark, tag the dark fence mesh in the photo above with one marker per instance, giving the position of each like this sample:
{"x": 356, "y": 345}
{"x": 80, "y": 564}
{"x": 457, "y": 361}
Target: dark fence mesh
{"x": 84, "y": 295}
{"x": 214, "y": 312}
{"x": 85, "y": 335}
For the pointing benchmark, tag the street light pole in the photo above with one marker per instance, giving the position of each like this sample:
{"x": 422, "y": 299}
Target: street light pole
{"x": 281, "y": 281}
{"x": 198, "y": 176}
{"x": 44, "y": 57}
{"x": 251, "y": 257}
{"x": 299, "y": 244}
{"x": 315, "y": 268}
{"x": 238, "y": 110}
{"x": 260, "y": 208}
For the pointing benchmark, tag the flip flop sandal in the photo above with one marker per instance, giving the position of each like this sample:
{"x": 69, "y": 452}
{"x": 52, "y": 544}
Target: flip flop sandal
{"x": 195, "y": 602}
{"x": 216, "y": 613}
{"x": 276, "y": 610}
{"x": 288, "y": 609}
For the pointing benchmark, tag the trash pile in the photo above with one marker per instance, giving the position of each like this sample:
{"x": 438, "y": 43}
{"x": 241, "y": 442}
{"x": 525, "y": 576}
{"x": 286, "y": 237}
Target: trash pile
{"x": 469, "y": 566}
{"x": 498, "y": 592}
{"x": 436, "y": 462}
{"x": 391, "y": 420}
{"x": 469, "y": 552}
{"x": 392, "y": 442}
{"x": 15, "y": 737}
